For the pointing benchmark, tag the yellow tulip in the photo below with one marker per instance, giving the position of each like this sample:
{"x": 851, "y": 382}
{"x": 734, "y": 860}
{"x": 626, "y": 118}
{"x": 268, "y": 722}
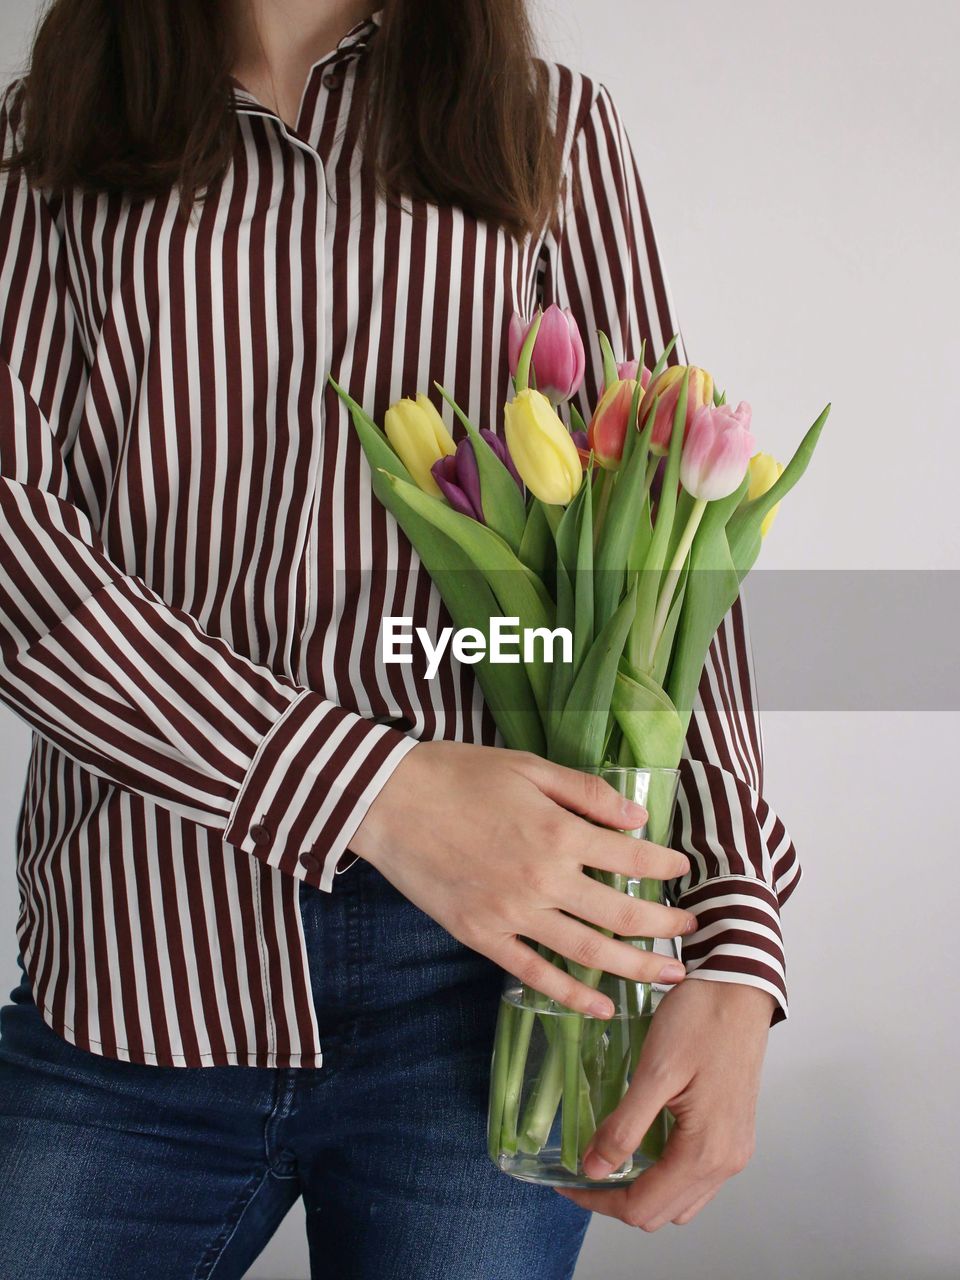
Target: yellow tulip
{"x": 541, "y": 448}
{"x": 420, "y": 438}
{"x": 765, "y": 471}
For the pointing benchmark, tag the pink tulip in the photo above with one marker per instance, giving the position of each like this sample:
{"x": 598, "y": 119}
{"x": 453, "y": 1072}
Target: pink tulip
{"x": 667, "y": 385}
{"x": 608, "y": 426}
{"x": 717, "y": 451}
{"x": 628, "y": 369}
{"x": 558, "y": 356}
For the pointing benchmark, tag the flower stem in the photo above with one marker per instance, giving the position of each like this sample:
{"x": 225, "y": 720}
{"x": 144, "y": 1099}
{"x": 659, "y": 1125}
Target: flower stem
{"x": 586, "y": 1124}
{"x": 672, "y": 577}
{"x": 542, "y": 1106}
{"x": 571, "y": 1029}
{"x": 498, "y": 1077}
{"x": 518, "y": 1051}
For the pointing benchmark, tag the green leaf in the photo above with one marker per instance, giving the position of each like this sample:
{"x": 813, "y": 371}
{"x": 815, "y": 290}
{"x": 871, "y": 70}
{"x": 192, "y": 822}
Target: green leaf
{"x": 685, "y": 505}
{"x": 467, "y": 596}
{"x": 576, "y": 421}
{"x": 567, "y": 531}
{"x": 640, "y": 547}
{"x": 610, "y": 375}
{"x": 652, "y": 569}
{"x": 577, "y": 736}
{"x": 712, "y": 586}
{"x": 519, "y": 592}
{"x": 503, "y": 506}
{"x": 658, "y": 367}
{"x": 583, "y": 585}
{"x": 562, "y": 674}
{"x": 521, "y": 378}
{"x": 648, "y": 719}
{"x": 378, "y": 449}
{"x": 624, "y": 514}
{"x": 665, "y": 646}
{"x": 631, "y": 438}
{"x": 537, "y": 541}
{"x": 744, "y": 529}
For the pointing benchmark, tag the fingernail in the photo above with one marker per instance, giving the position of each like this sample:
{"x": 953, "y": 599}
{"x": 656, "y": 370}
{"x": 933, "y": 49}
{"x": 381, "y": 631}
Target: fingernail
{"x": 691, "y": 924}
{"x": 637, "y": 811}
{"x": 672, "y": 972}
{"x": 594, "y": 1165}
{"x": 601, "y": 1009}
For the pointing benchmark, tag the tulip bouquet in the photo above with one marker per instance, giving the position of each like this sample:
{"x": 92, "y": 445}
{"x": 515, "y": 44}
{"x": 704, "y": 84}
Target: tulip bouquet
{"x": 631, "y": 533}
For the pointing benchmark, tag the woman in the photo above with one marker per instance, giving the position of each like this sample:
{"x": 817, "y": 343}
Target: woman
{"x": 267, "y": 881}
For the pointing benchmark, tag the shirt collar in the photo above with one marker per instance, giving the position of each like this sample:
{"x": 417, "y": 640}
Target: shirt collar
{"x": 356, "y": 38}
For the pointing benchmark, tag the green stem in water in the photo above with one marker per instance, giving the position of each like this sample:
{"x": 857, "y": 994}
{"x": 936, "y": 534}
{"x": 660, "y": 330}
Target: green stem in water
{"x": 586, "y": 1124}
{"x": 672, "y": 577}
{"x": 498, "y": 1077}
{"x": 571, "y": 1029}
{"x": 542, "y": 1106}
{"x": 518, "y": 1051}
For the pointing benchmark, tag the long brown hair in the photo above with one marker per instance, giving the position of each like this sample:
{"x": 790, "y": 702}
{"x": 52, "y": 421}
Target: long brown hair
{"x": 134, "y": 96}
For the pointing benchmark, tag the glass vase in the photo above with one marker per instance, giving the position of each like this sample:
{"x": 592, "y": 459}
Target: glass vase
{"x": 556, "y": 1074}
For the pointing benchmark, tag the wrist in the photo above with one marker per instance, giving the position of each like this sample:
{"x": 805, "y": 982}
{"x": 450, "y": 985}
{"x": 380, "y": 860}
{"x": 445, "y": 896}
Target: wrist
{"x": 741, "y": 1000}
{"x": 387, "y": 815}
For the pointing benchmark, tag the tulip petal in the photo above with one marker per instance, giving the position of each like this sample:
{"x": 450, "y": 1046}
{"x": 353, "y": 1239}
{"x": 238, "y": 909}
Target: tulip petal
{"x": 445, "y": 474}
{"x": 468, "y": 476}
{"x": 499, "y": 447}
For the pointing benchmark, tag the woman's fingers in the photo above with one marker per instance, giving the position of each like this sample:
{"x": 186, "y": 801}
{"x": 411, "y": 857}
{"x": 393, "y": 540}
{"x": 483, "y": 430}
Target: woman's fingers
{"x": 624, "y": 915}
{"x": 628, "y": 856}
{"x": 690, "y": 1213}
{"x": 594, "y": 950}
{"x": 552, "y": 981}
{"x": 586, "y": 794}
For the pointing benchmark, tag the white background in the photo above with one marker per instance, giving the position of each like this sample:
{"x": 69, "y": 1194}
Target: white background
{"x": 801, "y": 163}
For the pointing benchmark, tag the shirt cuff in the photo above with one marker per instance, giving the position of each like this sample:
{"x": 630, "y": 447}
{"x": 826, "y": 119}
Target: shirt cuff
{"x": 308, "y": 787}
{"x": 739, "y": 938}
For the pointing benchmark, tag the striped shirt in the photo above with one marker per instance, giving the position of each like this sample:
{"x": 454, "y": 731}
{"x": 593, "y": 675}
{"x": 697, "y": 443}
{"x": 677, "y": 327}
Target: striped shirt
{"x": 194, "y": 567}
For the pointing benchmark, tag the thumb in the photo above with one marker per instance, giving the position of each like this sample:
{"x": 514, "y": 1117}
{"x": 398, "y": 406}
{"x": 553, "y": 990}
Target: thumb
{"x": 619, "y": 1136}
{"x": 589, "y": 795}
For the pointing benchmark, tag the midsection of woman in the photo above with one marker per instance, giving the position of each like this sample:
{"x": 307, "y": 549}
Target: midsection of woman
{"x": 220, "y": 469}
{"x": 198, "y": 573}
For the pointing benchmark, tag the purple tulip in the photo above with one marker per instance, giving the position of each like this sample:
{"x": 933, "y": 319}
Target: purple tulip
{"x": 558, "y": 359}
{"x": 499, "y": 447}
{"x": 459, "y": 480}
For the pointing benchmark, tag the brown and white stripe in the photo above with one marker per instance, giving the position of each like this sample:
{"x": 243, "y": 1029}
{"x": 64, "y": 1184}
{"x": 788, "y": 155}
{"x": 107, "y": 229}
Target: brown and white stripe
{"x": 194, "y": 567}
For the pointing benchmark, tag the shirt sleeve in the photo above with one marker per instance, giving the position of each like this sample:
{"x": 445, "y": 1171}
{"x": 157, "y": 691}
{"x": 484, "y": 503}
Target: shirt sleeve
{"x": 600, "y": 257}
{"x": 96, "y": 661}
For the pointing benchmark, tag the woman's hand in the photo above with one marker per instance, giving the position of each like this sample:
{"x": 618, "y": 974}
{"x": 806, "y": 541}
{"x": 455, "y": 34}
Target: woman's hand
{"x": 702, "y": 1058}
{"x": 489, "y": 843}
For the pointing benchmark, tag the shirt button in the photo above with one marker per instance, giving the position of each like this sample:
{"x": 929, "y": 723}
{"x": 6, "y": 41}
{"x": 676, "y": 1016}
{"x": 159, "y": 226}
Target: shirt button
{"x": 332, "y": 79}
{"x": 309, "y": 863}
{"x": 260, "y": 834}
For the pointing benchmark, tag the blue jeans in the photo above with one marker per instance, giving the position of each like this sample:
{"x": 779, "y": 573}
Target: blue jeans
{"x": 111, "y": 1170}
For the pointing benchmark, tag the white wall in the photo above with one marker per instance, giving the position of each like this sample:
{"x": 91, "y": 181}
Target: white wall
{"x": 801, "y": 161}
